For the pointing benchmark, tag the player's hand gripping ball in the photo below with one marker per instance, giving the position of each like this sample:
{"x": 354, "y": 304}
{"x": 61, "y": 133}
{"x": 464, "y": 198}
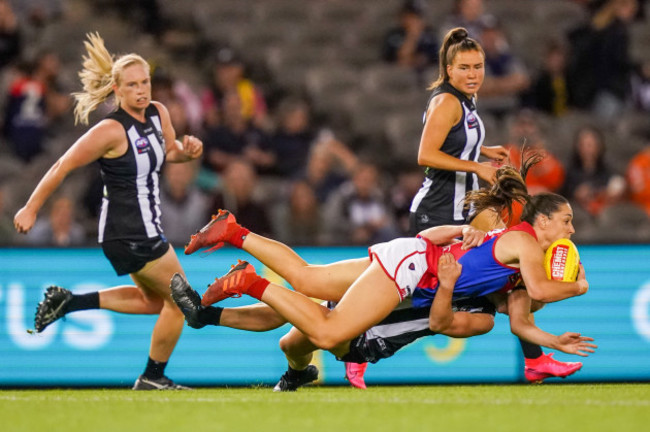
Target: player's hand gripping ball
{"x": 562, "y": 261}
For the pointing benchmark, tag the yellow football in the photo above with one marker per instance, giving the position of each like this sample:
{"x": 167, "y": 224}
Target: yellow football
{"x": 562, "y": 261}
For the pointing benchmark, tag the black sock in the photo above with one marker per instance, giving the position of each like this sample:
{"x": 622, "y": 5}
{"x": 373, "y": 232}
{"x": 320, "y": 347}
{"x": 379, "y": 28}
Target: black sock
{"x": 211, "y": 315}
{"x": 531, "y": 351}
{"x": 155, "y": 370}
{"x": 83, "y": 302}
{"x": 294, "y": 373}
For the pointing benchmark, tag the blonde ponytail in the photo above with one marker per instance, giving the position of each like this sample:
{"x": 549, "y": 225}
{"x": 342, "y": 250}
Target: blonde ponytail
{"x": 99, "y": 74}
{"x": 96, "y": 78}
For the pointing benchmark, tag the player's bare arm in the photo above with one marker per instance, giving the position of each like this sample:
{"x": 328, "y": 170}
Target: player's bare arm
{"x": 521, "y": 249}
{"x": 441, "y": 315}
{"x": 522, "y": 325}
{"x": 102, "y": 139}
{"x": 177, "y": 151}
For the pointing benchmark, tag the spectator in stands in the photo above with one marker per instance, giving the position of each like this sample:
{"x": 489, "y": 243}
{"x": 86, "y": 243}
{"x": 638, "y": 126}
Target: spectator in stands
{"x": 550, "y": 91}
{"x": 300, "y": 222}
{"x": 292, "y": 141}
{"x": 34, "y": 100}
{"x": 227, "y": 76}
{"x": 356, "y": 213}
{"x": 638, "y": 178}
{"x": 184, "y": 105}
{"x": 409, "y": 180}
{"x": 60, "y": 229}
{"x": 90, "y": 201}
{"x": 505, "y": 75}
{"x": 9, "y": 34}
{"x": 546, "y": 176}
{"x": 330, "y": 164}
{"x": 236, "y": 138}
{"x": 641, "y": 86}
{"x": 144, "y": 14}
{"x": 38, "y": 13}
{"x": 469, "y": 14}
{"x": 7, "y": 231}
{"x": 600, "y": 66}
{"x": 162, "y": 90}
{"x": 182, "y": 203}
{"x": 412, "y": 43}
{"x": 589, "y": 181}
{"x": 237, "y": 194}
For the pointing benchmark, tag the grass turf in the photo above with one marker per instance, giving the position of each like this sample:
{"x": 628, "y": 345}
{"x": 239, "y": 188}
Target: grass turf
{"x": 576, "y": 407}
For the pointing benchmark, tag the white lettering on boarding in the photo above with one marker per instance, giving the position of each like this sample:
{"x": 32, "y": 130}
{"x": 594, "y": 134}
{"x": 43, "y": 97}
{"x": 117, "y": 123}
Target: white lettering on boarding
{"x": 87, "y": 330}
{"x": 639, "y": 313}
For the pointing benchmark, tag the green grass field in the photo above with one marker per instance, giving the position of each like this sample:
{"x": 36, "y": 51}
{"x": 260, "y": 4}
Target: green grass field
{"x": 548, "y": 408}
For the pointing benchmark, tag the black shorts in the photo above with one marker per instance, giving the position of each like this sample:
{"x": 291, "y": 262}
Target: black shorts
{"x": 381, "y": 342}
{"x": 128, "y": 257}
{"x": 418, "y": 224}
{"x": 363, "y": 350}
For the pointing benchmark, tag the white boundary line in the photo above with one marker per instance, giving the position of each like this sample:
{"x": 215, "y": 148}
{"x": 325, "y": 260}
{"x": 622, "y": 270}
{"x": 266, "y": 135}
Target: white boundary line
{"x": 318, "y": 400}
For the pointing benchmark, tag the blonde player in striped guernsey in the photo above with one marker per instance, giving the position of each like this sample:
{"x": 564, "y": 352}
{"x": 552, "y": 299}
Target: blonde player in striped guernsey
{"x": 131, "y": 145}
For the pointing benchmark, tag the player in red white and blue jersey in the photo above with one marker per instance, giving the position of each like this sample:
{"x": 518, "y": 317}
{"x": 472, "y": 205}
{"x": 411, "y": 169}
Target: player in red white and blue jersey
{"x": 332, "y": 281}
{"x": 482, "y": 273}
{"x": 407, "y": 323}
{"x": 387, "y": 280}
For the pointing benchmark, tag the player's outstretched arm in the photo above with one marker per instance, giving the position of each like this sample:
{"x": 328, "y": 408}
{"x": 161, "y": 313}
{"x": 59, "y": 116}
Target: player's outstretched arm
{"x": 98, "y": 141}
{"x": 522, "y": 325}
{"x": 575, "y": 343}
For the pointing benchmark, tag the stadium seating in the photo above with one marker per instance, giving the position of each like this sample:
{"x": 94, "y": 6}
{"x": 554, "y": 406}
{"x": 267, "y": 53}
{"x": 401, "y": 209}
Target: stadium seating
{"x": 329, "y": 50}
{"x": 623, "y": 223}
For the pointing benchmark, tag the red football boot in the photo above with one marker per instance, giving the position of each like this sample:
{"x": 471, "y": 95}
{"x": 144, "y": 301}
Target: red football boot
{"x": 241, "y": 279}
{"x": 222, "y": 228}
{"x": 537, "y": 370}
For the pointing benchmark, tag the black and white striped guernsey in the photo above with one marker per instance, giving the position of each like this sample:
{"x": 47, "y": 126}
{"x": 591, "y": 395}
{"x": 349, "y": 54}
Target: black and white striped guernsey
{"x": 131, "y": 203}
{"x": 440, "y": 199}
{"x": 402, "y": 326}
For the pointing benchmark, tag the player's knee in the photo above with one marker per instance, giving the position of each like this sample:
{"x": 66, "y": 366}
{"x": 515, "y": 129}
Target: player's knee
{"x": 170, "y": 309}
{"x": 299, "y": 279}
{"x": 286, "y": 344}
{"x": 480, "y": 324}
{"x": 484, "y": 327}
{"x": 154, "y": 305}
{"x": 327, "y": 340}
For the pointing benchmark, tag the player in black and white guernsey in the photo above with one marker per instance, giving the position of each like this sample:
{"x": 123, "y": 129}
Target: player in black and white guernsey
{"x": 131, "y": 204}
{"x": 450, "y": 146}
{"x": 441, "y": 198}
{"x": 131, "y": 145}
{"x": 452, "y": 141}
{"x": 452, "y": 137}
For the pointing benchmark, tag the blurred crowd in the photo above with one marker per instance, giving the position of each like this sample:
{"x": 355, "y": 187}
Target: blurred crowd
{"x": 295, "y": 168}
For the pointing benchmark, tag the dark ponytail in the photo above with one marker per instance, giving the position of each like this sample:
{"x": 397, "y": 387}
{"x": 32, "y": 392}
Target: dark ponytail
{"x": 456, "y": 40}
{"x": 509, "y": 186}
{"x": 543, "y": 203}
